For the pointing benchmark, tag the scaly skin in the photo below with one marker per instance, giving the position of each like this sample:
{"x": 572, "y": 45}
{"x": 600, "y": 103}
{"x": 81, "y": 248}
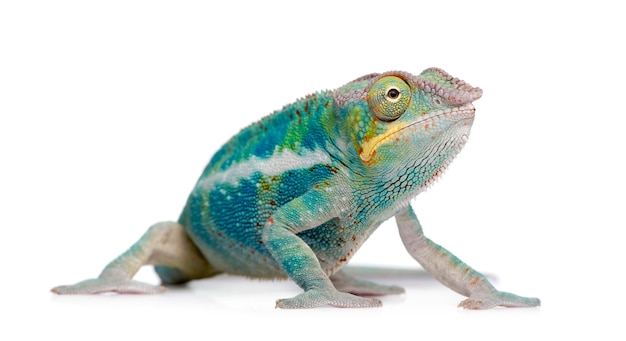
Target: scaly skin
{"x": 297, "y": 193}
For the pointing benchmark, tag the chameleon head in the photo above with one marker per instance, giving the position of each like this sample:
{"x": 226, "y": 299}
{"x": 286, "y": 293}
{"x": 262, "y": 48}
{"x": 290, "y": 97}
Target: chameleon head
{"x": 398, "y": 122}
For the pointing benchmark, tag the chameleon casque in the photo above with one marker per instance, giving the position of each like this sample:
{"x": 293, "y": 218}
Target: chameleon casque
{"x": 298, "y": 192}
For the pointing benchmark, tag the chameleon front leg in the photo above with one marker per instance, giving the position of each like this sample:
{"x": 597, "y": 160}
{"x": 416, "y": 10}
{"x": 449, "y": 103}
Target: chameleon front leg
{"x": 451, "y": 271}
{"x": 299, "y": 261}
{"x": 164, "y": 244}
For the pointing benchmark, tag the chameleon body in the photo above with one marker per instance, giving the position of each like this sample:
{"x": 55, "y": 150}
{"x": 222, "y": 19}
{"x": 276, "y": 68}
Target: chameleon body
{"x": 296, "y": 194}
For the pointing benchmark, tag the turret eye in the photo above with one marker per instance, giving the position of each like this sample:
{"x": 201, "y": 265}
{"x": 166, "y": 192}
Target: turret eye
{"x": 389, "y": 97}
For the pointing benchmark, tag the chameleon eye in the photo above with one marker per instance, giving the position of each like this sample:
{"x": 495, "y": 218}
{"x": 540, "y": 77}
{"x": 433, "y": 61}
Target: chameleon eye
{"x": 389, "y": 97}
{"x": 393, "y": 93}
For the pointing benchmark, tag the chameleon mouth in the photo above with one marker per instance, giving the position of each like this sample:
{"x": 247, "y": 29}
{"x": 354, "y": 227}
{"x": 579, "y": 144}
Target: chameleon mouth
{"x": 449, "y": 118}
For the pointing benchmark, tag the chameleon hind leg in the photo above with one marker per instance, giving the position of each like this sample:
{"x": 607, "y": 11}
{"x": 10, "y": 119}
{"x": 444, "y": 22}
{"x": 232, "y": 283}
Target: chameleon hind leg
{"x": 451, "y": 271}
{"x": 165, "y": 245}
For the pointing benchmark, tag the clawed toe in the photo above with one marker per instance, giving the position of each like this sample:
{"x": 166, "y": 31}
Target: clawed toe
{"x": 499, "y": 298}
{"x": 316, "y": 298}
{"x": 98, "y": 285}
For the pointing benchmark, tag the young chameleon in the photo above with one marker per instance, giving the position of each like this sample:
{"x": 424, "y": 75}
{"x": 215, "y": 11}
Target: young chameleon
{"x": 297, "y": 193}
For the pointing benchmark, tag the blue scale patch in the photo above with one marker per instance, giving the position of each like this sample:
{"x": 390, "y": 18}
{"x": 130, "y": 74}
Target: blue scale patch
{"x": 234, "y": 212}
{"x": 297, "y": 126}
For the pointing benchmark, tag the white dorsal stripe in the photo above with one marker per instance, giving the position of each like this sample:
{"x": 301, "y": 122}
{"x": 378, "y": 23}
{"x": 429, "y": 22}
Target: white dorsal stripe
{"x": 277, "y": 164}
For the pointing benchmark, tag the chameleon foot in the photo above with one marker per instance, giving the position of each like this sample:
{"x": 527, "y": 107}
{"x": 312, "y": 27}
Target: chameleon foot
{"x": 315, "y": 298}
{"x": 498, "y": 298}
{"x": 99, "y": 285}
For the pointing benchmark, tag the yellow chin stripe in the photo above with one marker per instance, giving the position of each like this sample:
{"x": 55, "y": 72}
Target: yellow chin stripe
{"x": 368, "y": 146}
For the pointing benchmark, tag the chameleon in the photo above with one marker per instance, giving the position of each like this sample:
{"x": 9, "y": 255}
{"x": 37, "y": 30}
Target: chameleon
{"x": 295, "y": 194}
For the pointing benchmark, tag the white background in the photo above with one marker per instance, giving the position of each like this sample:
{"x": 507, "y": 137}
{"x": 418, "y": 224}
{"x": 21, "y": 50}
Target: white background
{"x": 110, "y": 110}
